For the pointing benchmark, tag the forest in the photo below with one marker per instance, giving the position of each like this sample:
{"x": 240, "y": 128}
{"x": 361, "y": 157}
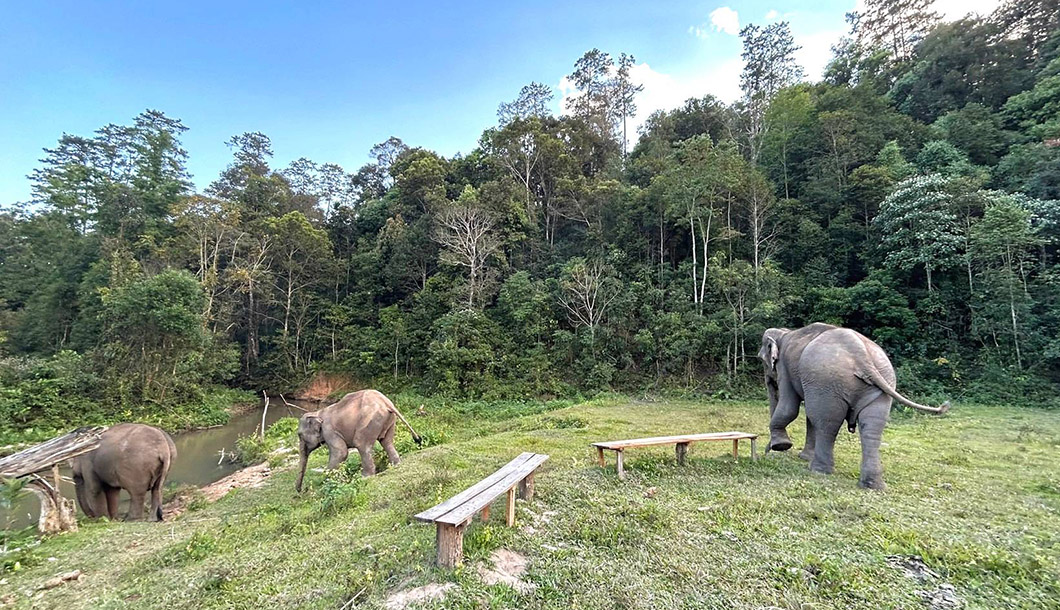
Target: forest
{"x": 910, "y": 194}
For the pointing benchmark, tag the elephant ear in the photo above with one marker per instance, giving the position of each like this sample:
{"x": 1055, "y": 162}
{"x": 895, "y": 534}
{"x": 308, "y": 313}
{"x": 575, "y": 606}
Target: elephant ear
{"x": 769, "y": 353}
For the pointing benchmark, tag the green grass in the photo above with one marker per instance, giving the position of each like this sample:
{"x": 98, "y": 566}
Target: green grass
{"x": 975, "y": 494}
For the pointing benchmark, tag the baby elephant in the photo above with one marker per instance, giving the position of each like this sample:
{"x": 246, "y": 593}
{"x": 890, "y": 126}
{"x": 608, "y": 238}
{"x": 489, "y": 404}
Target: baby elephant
{"x": 357, "y": 420}
{"x": 133, "y": 457}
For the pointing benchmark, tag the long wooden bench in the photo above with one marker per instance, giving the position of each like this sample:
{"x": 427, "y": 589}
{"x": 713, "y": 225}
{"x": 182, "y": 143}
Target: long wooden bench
{"x": 454, "y": 515}
{"x": 680, "y": 443}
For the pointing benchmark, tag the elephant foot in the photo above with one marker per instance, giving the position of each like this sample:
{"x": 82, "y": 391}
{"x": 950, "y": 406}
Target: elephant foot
{"x": 806, "y": 454}
{"x": 874, "y": 483}
{"x": 779, "y": 440}
{"x": 820, "y": 469}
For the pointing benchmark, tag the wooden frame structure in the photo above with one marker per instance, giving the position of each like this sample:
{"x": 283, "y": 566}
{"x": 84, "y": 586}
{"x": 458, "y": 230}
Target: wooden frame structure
{"x": 516, "y": 478}
{"x": 56, "y": 512}
{"x": 680, "y": 442}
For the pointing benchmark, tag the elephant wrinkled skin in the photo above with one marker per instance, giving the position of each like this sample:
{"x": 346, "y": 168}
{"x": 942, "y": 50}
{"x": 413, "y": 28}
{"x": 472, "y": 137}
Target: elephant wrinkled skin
{"x": 841, "y": 375}
{"x": 356, "y": 421}
{"x": 133, "y": 457}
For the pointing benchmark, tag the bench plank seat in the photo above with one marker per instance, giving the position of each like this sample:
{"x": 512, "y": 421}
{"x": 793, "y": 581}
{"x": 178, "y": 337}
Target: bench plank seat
{"x": 680, "y": 442}
{"x": 671, "y": 440}
{"x": 453, "y": 516}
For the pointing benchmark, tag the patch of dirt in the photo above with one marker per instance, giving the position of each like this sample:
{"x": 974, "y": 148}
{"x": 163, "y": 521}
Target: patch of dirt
{"x": 913, "y": 567}
{"x": 943, "y": 597}
{"x": 250, "y": 477}
{"x": 508, "y": 566}
{"x": 431, "y": 592}
{"x": 323, "y": 385}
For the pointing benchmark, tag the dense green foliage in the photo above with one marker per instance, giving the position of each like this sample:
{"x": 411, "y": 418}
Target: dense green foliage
{"x": 911, "y": 195}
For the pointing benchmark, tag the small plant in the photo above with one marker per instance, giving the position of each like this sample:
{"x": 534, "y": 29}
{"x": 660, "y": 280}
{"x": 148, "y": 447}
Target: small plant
{"x": 341, "y": 489}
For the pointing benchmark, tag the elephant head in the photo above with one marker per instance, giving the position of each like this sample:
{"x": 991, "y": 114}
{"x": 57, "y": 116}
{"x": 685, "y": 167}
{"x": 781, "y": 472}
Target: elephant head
{"x": 769, "y": 354}
{"x": 310, "y": 436}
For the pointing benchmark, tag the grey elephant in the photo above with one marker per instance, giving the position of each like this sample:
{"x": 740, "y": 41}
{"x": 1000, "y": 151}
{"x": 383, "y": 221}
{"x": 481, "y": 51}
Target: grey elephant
{"x": 842, "y": 376}
{"x": 133, "y": 457}
{"x": 357, "y": 421}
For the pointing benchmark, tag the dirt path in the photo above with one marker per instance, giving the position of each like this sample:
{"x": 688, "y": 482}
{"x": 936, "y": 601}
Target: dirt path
{"x": 251, "y": 477}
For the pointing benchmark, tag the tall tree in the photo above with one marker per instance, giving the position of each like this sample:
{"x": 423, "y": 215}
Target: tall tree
{"x": 769, "y": 66}
{"x": 533, "y": 101}
{"x": 896, "y": 25}
{"x": 467, "y": 232}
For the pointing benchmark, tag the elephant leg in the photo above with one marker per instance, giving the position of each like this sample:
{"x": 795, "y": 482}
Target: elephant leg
{"x": 388, "y": 445}
{"x": 871, "y": 422}
{"x": 112, "y": 498}
{"x": 824, "y": 449}
{"x": 786, "y": 411}
{"x": 367, "y": 461}
{"x": 337, "y": 454}
{"x": 136, "y": 504}
{"x": 811, "y": 442}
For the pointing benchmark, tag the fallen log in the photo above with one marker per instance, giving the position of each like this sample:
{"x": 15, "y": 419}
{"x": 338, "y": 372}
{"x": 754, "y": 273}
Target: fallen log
{"x": 56, "y": 512}
{"x": 45, "y": 455}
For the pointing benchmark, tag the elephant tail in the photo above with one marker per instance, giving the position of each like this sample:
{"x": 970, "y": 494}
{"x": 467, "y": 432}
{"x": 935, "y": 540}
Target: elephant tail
{"x": 163, "y": 472}
{"x": 872, "y": 375}
{"x": 415, "y": 437}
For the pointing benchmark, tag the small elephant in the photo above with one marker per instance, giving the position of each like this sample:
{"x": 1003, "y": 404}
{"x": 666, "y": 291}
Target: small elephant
{"x": 357, "y": 420}
{"x": 841, "y": 375}
{"x": 133, "y": 457}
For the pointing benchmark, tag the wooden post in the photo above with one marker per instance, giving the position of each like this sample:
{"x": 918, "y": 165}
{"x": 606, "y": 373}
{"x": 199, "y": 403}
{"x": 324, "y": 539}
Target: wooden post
{"x": 600, "y": 456}
{"x": 526, "y": 488}
{"x": 620, "y": 465}
{"x": 682, "y": 451}
{"x": 486, "y": 513}
{"x": 735, "y": 448}
{"x": 511, "y": 507}
{"x": 450, "y": 545}
{"x": 754, "y": 449}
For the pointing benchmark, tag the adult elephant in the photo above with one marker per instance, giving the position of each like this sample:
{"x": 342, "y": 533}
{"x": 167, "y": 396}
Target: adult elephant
{"x": 357, "y": 421}
{"x": 133, "y": 457}
{"x": 841, "y": 375}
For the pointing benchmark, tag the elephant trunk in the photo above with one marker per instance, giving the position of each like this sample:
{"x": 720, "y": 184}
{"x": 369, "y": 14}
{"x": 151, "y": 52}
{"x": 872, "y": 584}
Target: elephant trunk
{"x": 303, "y": 461}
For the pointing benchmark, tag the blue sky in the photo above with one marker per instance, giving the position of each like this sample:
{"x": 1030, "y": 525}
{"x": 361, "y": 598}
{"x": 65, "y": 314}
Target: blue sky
{"x": 327, "y": 80}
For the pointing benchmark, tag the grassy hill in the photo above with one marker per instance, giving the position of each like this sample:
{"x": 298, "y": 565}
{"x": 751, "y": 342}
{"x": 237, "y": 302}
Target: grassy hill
{"x": 974, "y": 495}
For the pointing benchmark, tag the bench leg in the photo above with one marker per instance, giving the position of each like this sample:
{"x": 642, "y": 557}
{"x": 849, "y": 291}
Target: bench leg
{"x": 526, "y": 488}
{"x": 511, "y": 507}
{"x": 735, "y": 448}
{"x": 486, "y": 513}
{"x": 600, "y": 456}
{"x": 450, "y": 545}
{"x": 754, "y": 449}
{"x": 620, "y": 465}
{"x": 682, "y": 451}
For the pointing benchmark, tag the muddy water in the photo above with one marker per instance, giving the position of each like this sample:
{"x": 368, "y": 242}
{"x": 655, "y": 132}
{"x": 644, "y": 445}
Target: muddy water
{"x": 198, "y": 460}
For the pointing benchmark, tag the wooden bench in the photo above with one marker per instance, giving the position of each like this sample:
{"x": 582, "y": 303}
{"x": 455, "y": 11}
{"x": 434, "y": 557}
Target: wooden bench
{"x": 453, "y": 516}
{"x": 680, "y": 442}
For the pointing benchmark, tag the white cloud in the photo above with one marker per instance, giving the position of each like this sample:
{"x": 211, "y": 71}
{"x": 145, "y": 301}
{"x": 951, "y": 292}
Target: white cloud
{"x": 668, "y": 91}
{"x": 697, "y": 31}
{"x": 772, "y": 14}
{"x": 816, "y": 51}
{"x": 724, "y": 19}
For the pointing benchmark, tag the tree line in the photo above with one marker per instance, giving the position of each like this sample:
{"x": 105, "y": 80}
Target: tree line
{"x": 910, "y": 194}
